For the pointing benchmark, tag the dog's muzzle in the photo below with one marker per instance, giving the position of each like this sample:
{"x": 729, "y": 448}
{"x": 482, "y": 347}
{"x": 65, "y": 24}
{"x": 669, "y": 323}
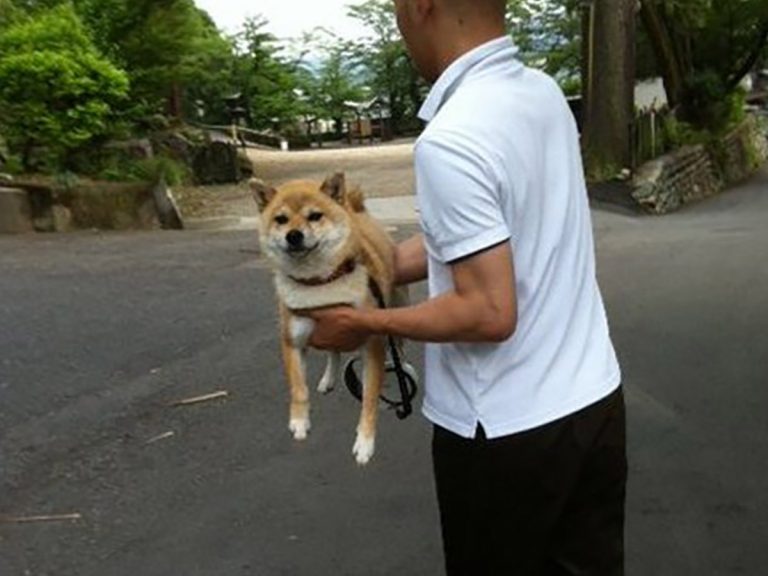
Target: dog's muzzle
{"x": 295, "y": 240}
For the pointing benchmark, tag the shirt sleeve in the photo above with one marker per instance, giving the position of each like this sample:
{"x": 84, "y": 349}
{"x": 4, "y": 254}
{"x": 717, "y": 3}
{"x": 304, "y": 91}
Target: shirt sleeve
{"x": 458, "y": 196}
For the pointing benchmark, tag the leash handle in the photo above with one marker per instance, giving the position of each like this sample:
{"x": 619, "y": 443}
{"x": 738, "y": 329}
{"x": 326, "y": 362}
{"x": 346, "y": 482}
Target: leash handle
{"x": 408, "y": 388}
{"x": 406, "y": 383}
{"x": 405, "y": 408}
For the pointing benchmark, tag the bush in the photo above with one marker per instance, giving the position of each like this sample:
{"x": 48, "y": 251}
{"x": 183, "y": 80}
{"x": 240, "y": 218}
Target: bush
{"x": 56, "y": 91}
{"x": 160, "y": 167}
{"x": 709, "y": 105}
{"x": 13, "y": 165}
{"x": 677, "y": 133}
{"x": 8, "y": 13}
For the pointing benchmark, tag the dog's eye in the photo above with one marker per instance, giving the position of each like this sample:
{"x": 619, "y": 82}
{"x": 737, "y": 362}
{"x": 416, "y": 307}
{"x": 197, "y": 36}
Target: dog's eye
{"x": 315, "y": 216}
{"x": 281, "y": 219}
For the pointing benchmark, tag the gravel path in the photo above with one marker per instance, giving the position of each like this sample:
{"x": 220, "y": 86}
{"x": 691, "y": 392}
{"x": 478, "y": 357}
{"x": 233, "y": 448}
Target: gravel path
{"x": 382, "y": 171}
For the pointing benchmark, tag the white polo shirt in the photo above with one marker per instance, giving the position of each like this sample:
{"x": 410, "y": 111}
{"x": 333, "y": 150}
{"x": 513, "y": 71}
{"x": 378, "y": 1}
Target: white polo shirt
{"x": 500, "y": 161}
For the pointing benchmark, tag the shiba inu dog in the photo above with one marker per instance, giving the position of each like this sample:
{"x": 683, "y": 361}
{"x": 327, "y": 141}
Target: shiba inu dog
{"x": 325, "y": 250}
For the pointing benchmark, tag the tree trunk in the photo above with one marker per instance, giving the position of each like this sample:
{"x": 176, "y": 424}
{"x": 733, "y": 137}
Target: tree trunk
{"x": 609, "y": 86}
{"x": 175, "y": 102}
{"x": 667, "y": 56}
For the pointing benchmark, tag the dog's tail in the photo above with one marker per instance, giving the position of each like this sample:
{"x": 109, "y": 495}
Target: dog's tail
{"x": 356, "y": 200}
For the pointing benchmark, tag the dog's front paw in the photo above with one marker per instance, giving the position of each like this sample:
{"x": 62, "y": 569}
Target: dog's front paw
{"x": 363, "y": 449}
{"x": 299, "y": 427}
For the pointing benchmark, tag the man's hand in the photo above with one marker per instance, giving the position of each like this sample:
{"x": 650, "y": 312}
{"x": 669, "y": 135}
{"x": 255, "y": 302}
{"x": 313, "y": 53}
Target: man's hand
{"x": 340, "y": 329}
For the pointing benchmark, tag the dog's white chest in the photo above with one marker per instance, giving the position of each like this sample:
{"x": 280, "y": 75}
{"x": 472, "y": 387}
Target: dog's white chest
{"x": 351, "y": 289}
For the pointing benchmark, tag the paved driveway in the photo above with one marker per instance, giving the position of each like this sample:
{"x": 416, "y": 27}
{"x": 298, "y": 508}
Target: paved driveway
{"x": 101, "y": 333}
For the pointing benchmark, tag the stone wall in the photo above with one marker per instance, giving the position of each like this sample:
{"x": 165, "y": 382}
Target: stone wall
{"x": 697, "y": 172}
{"x": 45, "y": 207}
{"x": 15, "y": 211}
{"x": 743, "y": 150}
{"x": 210, "y": 157}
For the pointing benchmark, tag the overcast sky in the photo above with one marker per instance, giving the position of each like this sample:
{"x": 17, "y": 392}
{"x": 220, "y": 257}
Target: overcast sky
{"x": 287, "y": 18}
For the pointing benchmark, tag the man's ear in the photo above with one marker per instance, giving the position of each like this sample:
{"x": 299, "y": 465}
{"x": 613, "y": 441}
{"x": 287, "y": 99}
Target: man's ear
{"x": 262, "y": 193}
{"x": 422, "y": 9}
{"x": 335, "y": 187}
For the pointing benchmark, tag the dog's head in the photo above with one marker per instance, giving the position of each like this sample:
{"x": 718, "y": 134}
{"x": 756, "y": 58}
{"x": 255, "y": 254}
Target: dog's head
{"x": 305, "y": 227}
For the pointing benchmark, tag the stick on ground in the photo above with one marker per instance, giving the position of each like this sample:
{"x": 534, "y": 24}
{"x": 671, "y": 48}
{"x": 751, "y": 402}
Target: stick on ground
{"x": 44, "y": 518}
{"x": 203, "y": 398}
{"x": 159, "y": 437}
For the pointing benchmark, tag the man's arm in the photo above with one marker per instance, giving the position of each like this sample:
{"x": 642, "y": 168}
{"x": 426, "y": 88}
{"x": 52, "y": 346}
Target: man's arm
{"x": 411, "y": 261}
{"x": 481, "y": 308}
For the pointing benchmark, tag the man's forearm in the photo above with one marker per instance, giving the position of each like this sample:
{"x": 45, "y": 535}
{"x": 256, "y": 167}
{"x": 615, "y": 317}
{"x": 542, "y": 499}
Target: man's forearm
{"x": 447, "y": 318}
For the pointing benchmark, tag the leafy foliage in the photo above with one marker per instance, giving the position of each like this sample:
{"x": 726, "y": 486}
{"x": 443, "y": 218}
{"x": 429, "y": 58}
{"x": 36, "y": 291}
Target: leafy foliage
{"x": 164, "y": 45}
{"x": 548, "y": 33}
{"x": 159, "y": 167}
{"x": 56, "y": 89}
{"x": 8, "y": 13}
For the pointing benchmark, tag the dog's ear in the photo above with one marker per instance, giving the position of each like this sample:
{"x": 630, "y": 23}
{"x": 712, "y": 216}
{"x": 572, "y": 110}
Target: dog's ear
{"x": 335, "y": 186}
{"x": 262, "y": 193}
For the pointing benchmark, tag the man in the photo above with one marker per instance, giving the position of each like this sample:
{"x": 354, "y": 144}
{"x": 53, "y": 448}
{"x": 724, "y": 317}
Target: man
{"x": 522, "y": 382}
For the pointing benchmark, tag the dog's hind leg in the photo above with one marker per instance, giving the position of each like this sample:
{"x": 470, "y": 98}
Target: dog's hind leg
{"x": 375, "y": 353}
{"x": 295, "y": 370}
{"x": 331, "y": 374}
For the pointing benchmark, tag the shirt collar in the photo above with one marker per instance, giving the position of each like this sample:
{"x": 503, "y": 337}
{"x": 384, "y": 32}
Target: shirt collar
{"x": 452, "y": 76}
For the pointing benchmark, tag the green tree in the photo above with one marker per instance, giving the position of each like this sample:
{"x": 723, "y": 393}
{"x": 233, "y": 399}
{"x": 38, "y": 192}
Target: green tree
{"x": 56, "y": 89}
{"x": 389, "y": 72}
{"x": 171, "y": 50}
{"x": 548, "y": 34}
{"x": 329, "y": 84}
{"x": 8, "y": 12}
{"x": 608, "y": 85}
{"x": 267, "y": 81}
{"x": 704, "y": 49}
{"x": 169, "y": 47}
{"x": 336, "y": 85}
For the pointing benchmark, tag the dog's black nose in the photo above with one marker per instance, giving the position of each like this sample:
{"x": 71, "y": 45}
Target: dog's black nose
{"x": 295, "y": 238}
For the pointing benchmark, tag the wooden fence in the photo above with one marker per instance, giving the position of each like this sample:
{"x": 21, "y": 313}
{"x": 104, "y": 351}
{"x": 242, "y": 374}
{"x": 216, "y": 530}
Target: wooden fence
{"x": 245, "y": 136}
{"x": 649, "y": 138}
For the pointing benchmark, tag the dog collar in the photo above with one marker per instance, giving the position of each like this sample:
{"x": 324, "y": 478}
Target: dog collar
{"x": 347, "y": 267}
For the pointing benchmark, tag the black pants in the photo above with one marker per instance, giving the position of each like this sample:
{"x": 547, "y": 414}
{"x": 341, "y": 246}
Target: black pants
{"x": 545, "y": 502}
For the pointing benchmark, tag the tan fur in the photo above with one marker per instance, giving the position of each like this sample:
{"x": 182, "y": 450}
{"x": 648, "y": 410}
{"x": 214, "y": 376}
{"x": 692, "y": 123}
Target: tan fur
{"x": 345, "y": 231}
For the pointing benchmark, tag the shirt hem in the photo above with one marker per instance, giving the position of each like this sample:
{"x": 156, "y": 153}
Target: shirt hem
{"x": 465, "y": 430}
{"x": 475, "y": 244}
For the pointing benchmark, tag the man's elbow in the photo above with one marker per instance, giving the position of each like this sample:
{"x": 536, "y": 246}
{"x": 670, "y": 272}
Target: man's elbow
{"x": 500, "y": 327}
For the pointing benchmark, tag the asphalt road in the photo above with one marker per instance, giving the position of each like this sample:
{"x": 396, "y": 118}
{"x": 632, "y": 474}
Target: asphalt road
{"x": 101, "y": 333}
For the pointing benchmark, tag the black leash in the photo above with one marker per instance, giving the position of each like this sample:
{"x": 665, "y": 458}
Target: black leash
{"x": 406, "y": 379}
